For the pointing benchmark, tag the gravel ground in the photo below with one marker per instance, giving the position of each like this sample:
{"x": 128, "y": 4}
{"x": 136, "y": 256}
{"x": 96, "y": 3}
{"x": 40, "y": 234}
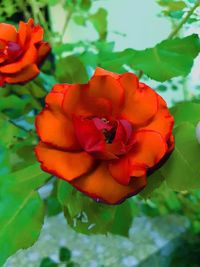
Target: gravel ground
{"x": 150, "y": 242}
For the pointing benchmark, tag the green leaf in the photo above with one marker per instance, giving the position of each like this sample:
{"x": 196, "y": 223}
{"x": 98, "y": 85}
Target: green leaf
{"x": 21, "y": 209}
{"x": 168, "y": 59}
{"x": 181, "y": 170}
{"x": 154, "y": 182}
{"x": 71, "y": 70}
{"x": 99, "y": 21}
{"x": 87, "y": 216}
{"x": 72, "y": 264}
{"x": 161, "y": 88}
{"x": 80, "y": 20}
{"x": 52, "y": 202}
{"x": 64, "y": 254}
{"x": 186, "y": 112}
{"x": 123, "y": 219}
{"x": 48, "y": 262}
{"x": 173, "y": 5}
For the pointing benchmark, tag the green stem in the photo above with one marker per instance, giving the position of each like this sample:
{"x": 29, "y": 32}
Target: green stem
{"x": 66, "y": 23}
{"x": 140, "y": 74}
{"x": 184, "y": 20}
{"x": 185, "y": 90}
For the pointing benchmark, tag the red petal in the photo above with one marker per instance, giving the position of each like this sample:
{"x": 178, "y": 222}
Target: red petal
{"x": 37, "y": 34}
{"x": 43, "y": 52}
{"x": 66, "y": 165}
{"x": 90, "y": 138}
{"x": 121, "y": 170}
{"x": 55, "y": 98}
{"x": 22, "y": 33}
{"x": 78, "y": 102}
{"x": 140, "y": 100}
{"x": 109, "y": 88}
{"x": 8, "y": 32}
{"x": 24, "y": 75}
{"x": 100, "y": 185}
{"x": 54, "y": 128}
{"x": 149, "y": 149}
{"x": 163, "y": 121}
{"x": 28, "y": 58}
{"x": 102, "y": 72}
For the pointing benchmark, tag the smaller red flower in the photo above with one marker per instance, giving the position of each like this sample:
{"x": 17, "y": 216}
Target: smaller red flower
{"x": 21, "y": 52}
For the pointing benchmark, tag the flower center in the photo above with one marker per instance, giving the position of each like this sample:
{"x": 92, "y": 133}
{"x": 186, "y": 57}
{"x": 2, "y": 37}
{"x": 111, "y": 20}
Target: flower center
{"x": 9, "y": 50}
{"x": 103, "y": 138}
{"x": 107, "y": 128}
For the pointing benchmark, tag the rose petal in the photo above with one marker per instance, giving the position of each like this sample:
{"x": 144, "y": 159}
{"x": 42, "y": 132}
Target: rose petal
{"x": 102, "y": 72}
{"x": 8, "y": 32}
{"x": 43, "y": 51}
{"x": 100, "y": 185}
{"x": 90, "y": 138}
{"x": 109, "y": 88}
{"x": 78, "y": 102}
{"x": 54, "y": 128}
{"x": 121, "y": 170}
{"x": 37, "y": 34}
{"x": 22, "y": 33}
{"x": 24, "y": 75}
{"x": 149, "y": 149}
{"x": 66, "y": 165}
{"x": 28, "y": 58}
{"x": 55, "y": 98}
{"x": 140, "y": 100}
{"x": 162, "y": 122}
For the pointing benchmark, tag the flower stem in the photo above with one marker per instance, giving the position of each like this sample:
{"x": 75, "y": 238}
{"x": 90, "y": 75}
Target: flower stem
{"x": 70, "y": 12}
{"x": 184, "y": 20}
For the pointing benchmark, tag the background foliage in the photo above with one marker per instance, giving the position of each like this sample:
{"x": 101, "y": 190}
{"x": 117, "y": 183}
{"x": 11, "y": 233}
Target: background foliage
{"x": 174, "y": 188}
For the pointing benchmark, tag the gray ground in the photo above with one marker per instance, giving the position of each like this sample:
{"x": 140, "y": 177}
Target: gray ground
{"x": 150, "y": 242}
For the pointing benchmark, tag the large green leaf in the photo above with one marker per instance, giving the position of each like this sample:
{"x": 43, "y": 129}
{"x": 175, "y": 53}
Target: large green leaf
{"x": 186, "y": 112}
{"x": 181, "y": 170}
{"x": 154, "y": 181}
{"x": 87, "y": 216}
{"x": 71, "y": 70}
{"x": 168, "y": 59}
{"x": 21, "y": 209}
{"x": 16, "y": 147}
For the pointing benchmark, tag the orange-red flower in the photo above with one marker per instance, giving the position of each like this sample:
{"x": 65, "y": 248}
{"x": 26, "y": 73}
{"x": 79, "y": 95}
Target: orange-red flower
{"x": 21, "y": 52}
{"x": 102, "y": 137}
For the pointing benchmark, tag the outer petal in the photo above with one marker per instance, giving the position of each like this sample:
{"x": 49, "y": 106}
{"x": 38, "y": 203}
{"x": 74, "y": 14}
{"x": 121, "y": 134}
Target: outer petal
{"x": 28, "y": 58}
{"x": 102, "y": 72}
{"x": 37, "y": 34}
{"x": 8, "y": 32}
{"x": 149, "y": 149}
{"x": 77, "y": 101}
{"x": 66, "y": 165}
{"x": 141, "y": 102}
{"x": 22, "y": 33}
{"x": 24, "y": 75}
{"x": 54, "y": 128}
{"x": 109, "y": 88}
{"x": 55, "y": 98}
{"x": 163, "y": 121}
{"x": 43, "y": 51}
{"x": 121, "y": 170}
{"x": 100, "y": 185}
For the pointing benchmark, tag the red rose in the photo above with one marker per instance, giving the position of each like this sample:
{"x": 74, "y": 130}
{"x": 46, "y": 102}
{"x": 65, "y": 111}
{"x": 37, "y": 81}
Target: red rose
{"x": 21, "y": 52}
{"x": 102, "y": 137}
